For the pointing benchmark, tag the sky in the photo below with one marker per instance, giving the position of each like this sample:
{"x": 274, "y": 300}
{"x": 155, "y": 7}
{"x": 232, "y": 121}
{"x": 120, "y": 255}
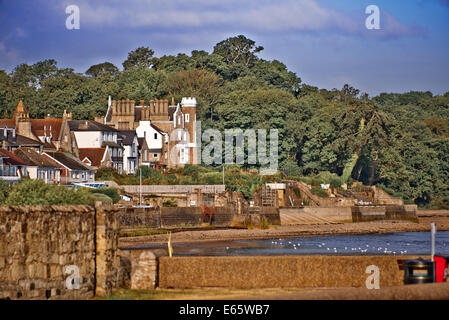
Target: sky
{"x": 325, "y": 42}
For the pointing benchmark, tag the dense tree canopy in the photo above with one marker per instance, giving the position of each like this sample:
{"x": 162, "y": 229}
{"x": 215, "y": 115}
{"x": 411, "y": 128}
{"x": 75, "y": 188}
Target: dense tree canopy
{"x": 399, "y": 142}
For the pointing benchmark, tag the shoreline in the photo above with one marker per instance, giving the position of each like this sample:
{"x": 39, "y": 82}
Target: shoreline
{"x": 288, "y": 231}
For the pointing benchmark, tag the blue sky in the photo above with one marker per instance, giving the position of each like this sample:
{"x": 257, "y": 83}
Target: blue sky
{"x": 324, "y": 42}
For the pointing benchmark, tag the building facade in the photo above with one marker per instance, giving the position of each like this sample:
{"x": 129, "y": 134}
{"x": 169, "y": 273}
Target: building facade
{"x": 169, "y": 130}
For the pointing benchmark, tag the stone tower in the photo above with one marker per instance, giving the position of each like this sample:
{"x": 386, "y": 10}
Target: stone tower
{"x": 188, "y": 105}
{"x": 23, "y": 121}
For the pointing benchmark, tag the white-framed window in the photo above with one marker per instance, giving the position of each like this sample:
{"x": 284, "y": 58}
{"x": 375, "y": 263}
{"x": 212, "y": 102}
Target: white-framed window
{"x": 187, "y": 117}
{"x": 155, "y": 155}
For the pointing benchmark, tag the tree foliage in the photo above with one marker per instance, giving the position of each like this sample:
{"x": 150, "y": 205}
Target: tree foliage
{"x": 399, "y": 142}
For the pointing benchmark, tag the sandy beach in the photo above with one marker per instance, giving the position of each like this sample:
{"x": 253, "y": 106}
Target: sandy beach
{"x": 425, "y": 217}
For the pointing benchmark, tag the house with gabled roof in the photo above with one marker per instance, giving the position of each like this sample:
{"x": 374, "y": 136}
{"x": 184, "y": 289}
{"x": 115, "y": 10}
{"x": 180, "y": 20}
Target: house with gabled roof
{"x": 10, "y": 140}
{"x": 91, "y": 134}
{"x": 177, "y": 123}
{"x": 130, "y": 151}
{"x": 39, "y": 166}
{"x": 52, "y": 133}
{"x": 12, "y": 168}
{"x": 73, "y": 170}
{"x": 95, "y": 157}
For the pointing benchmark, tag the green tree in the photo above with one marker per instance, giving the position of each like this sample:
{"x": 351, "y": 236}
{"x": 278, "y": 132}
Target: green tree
{"x": 141, "y": 57}
{"x": 105, "y": 67}
{"x": 238, "y": 49}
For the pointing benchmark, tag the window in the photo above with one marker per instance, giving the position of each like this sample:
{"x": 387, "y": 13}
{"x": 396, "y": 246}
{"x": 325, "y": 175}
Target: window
{"x": 187, "y": 117}
{"x": 155, "y": 136}
{"x": 155, "y": 155}
{"x": 179, "y": 120}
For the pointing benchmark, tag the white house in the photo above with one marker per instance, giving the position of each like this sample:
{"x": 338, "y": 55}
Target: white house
{"x": 91, "y": 134}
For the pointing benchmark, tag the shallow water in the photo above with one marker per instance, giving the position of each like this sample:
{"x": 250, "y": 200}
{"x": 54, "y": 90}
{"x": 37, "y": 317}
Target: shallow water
{"x": 398, "y": 243}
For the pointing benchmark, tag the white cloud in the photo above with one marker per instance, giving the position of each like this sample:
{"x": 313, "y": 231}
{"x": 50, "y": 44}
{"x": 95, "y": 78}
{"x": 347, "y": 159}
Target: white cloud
{"x": 252, "y": 16}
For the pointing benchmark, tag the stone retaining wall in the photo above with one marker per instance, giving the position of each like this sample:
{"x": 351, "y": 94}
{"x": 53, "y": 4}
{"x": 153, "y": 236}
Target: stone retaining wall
{"x": 384, "y": 212}
{"x": 39, "y": 243}
{"x": 139, "y": 217}
{"x": 334, "y": 214}
{"x": 172, "y": 217}
{"x": 181, "y": 216}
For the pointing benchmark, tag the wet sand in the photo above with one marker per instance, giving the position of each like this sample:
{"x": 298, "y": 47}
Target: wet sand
{"x": 440, "y": 217}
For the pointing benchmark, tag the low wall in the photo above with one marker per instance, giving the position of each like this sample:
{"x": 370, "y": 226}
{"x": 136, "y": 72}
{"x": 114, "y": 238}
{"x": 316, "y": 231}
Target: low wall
{"x": 335, "y": 214}
{"x": 38, "y": 243}
{"x": 172, "y": 217}
{"x": 130, "y": 217}
{"x": 384, "y": 212}
{"x": 278, "y": 271}
{"x": 181, "y": 216}
{"x": 223, "y": 216}
{"x": 271, "y": 214}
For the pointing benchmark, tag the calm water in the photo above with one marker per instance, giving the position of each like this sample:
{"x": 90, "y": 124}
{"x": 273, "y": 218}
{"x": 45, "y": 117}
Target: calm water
{"x": 399, "y": 243}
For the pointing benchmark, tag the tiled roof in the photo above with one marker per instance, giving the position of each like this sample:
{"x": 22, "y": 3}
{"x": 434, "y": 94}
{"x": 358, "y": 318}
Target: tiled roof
{"x": 95, "y": 155}
{"x": 111, "y": 144}
{"x": 7, "y": 122}
{"x": 89, "y": 125}
{"x": 38, "y": 126}
{"x": 19, "y": 140}
{"x": 11, "y": 158}
{"x": 128, "y": 136}
{"x": 157, "y": 128}
{"x": 68, "y": 160}
{"x": 32, "y": 158}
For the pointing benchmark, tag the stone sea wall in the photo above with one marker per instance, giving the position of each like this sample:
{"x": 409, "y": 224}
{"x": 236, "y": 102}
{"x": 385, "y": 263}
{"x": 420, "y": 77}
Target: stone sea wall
{"x": 278, "y": 271}
{"x": 58, "y": 252}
